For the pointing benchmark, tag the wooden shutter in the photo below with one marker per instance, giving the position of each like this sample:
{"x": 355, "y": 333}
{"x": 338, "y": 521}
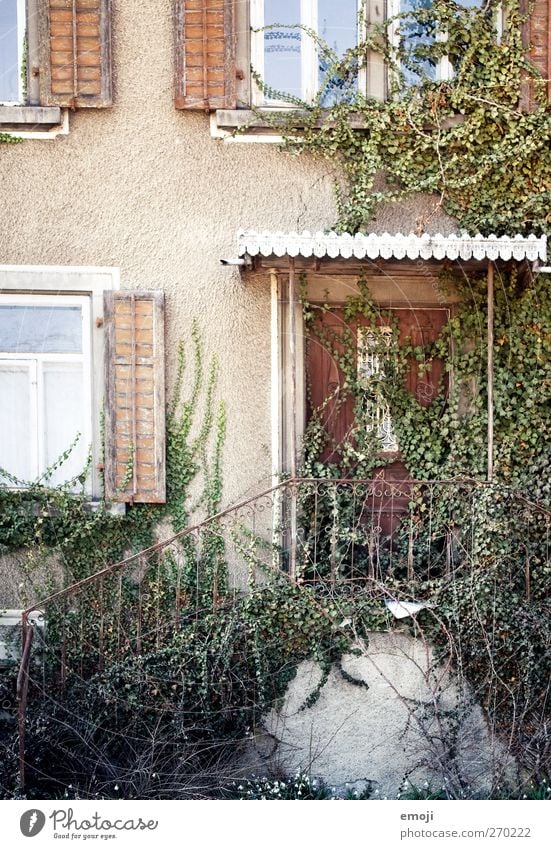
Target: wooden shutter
{"x": 537, "y": 34}
{"x": 75, "y": 39}
{"x": 135, "y": 403}
{"x": 205, "y": 54}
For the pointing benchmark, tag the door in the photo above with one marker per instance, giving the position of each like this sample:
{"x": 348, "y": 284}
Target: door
{"x": 331, "y": 339}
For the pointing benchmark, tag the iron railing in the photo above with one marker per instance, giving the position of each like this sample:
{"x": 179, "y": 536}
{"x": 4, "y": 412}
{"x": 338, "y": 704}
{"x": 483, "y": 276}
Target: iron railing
{"x": 317, "y": 531}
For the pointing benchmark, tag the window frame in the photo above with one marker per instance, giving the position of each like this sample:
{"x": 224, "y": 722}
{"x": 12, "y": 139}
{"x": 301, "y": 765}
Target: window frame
{"x": 27, "y": 118}
{"x": 309, "y": 53}
{"x": 21, "y": 31}
{"x": 59, "y": 281}
{"x": 37, "y": 360}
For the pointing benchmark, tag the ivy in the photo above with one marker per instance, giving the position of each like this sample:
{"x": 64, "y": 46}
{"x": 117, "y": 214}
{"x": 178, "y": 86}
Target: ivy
{"x": 469, "y": 141}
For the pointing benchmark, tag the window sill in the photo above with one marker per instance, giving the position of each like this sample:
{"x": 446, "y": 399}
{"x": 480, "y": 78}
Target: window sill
{"x": 28, "y": 122}
{"x": 226, "y": 122}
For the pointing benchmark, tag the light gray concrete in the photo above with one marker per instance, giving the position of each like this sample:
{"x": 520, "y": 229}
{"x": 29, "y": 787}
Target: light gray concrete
{"x": 404, "y": 718}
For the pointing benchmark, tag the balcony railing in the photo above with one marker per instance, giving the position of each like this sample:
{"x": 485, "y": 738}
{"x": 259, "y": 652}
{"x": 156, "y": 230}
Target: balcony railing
{"x": 323, "y": 532}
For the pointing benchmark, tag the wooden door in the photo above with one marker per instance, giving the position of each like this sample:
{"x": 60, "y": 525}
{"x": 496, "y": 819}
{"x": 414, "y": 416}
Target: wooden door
{"x": 328, "y": 395}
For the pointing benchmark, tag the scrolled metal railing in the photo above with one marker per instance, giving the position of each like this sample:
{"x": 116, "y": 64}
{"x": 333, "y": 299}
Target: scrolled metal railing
{"x": 327, "y": 532}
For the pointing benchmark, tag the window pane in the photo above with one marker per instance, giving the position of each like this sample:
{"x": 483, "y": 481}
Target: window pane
{"x": 10, "y": 34}
{"x": 64, "y": 418}
{"x": 47, "y": 330}
{"x": 15, "y": 421}
{"x": 338, "y": 28}
{"x": 415, "y": 35}
{"x": 282, "y": 62}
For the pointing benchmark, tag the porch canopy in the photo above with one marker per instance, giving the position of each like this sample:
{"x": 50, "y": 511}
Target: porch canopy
{"x": 344, "y": 251}
{"x": 386, "y": 246}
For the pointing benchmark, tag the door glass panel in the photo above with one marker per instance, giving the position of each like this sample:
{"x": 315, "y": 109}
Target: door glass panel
{"x": 282, "y": 46}
{"x": 372, "y": 351}
{"x": 16, "y": 454}
{"x": 338, "y": 28}
{"x": 64, "y": 418}
{"x": 37, "y": 329}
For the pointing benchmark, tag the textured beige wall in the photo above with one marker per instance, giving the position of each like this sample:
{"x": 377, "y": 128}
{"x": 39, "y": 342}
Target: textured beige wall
{"x": 144, "y": 188}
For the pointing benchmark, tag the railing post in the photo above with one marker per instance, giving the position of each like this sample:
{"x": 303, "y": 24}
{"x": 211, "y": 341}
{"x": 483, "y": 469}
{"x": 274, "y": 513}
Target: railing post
{"x": 293, "y": 418}
{"x": 293, "y": 534}
{"x": 22, "y": 690}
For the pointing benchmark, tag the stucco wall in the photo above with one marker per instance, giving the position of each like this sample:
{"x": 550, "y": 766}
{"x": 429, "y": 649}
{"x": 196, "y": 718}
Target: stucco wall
{"x": 145, "y": 188}
{"x": 389, "y": 715}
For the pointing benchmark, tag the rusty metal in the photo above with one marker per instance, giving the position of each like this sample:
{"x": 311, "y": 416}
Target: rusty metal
{"x": 22, "y": 690}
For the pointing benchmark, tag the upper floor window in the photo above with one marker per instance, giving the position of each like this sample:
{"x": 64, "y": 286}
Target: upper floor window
{"x": 13, "y": 28}
{"x": 53, "y": 54}
{"x": 287, "y": 56}
{"x": 414, "y": 31}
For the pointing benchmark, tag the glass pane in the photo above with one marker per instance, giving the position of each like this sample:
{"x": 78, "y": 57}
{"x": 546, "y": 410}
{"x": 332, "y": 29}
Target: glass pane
{"x": 46, "y": 330}
{"x": 416, "y": 35}
{"x": 338, "y": 28}
{"x": 64, "y": 418}
{"x": 282, "y": 61}
{"x": 15, "y": 421}
{"x": 10, "y": 33}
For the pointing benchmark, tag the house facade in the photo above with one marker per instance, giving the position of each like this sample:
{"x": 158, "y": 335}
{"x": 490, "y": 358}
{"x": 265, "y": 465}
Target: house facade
{"x": 147, "y": 196}
{"x": 129, "y": 180}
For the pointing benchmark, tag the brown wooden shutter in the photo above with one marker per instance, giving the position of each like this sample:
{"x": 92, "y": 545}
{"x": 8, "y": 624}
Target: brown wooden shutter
{"x": 537, "y": 34}
{"x": 75, "y": 39}
{"x": 135, "y": 403}
{"x": 205, "y": 54}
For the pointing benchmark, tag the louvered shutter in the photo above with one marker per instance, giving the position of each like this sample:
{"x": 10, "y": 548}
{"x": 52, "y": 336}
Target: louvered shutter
{"x": 135, "y": 403}
{"x": 537, "y": 34}
{"x": 205, "y": 54}
{"x": 540, "y": 39}
{"x": 75, "y": 67}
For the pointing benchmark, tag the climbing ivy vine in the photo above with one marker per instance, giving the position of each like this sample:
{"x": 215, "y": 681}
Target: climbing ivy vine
{"x": 471, "y": 140}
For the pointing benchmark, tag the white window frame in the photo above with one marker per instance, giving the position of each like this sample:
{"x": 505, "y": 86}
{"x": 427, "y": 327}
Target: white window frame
{"x": 20, "y": 36}
{"x": 309, "y": 54}
{"x": 37, "y": 361}
{"x": 58, "y": 281}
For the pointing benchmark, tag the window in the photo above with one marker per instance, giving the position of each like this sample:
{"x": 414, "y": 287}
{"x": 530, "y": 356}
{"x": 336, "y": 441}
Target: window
{"x": 218, "y": 41}
{"x": 415, "y": 36}
{"x": 53, "y": 54}
{"x": 288, "y": 59}
{"x": 45, "y": 387}
{"x": 13, "y": 27}
{"x": 52, "y": 366}
{"x": 74, "y": 350}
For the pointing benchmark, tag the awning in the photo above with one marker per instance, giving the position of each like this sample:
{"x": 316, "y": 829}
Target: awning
{"x": 387, "y": 246}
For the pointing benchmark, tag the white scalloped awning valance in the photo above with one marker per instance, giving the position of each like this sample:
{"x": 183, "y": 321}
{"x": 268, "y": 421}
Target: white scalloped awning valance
{"x": 387, "y": 246}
